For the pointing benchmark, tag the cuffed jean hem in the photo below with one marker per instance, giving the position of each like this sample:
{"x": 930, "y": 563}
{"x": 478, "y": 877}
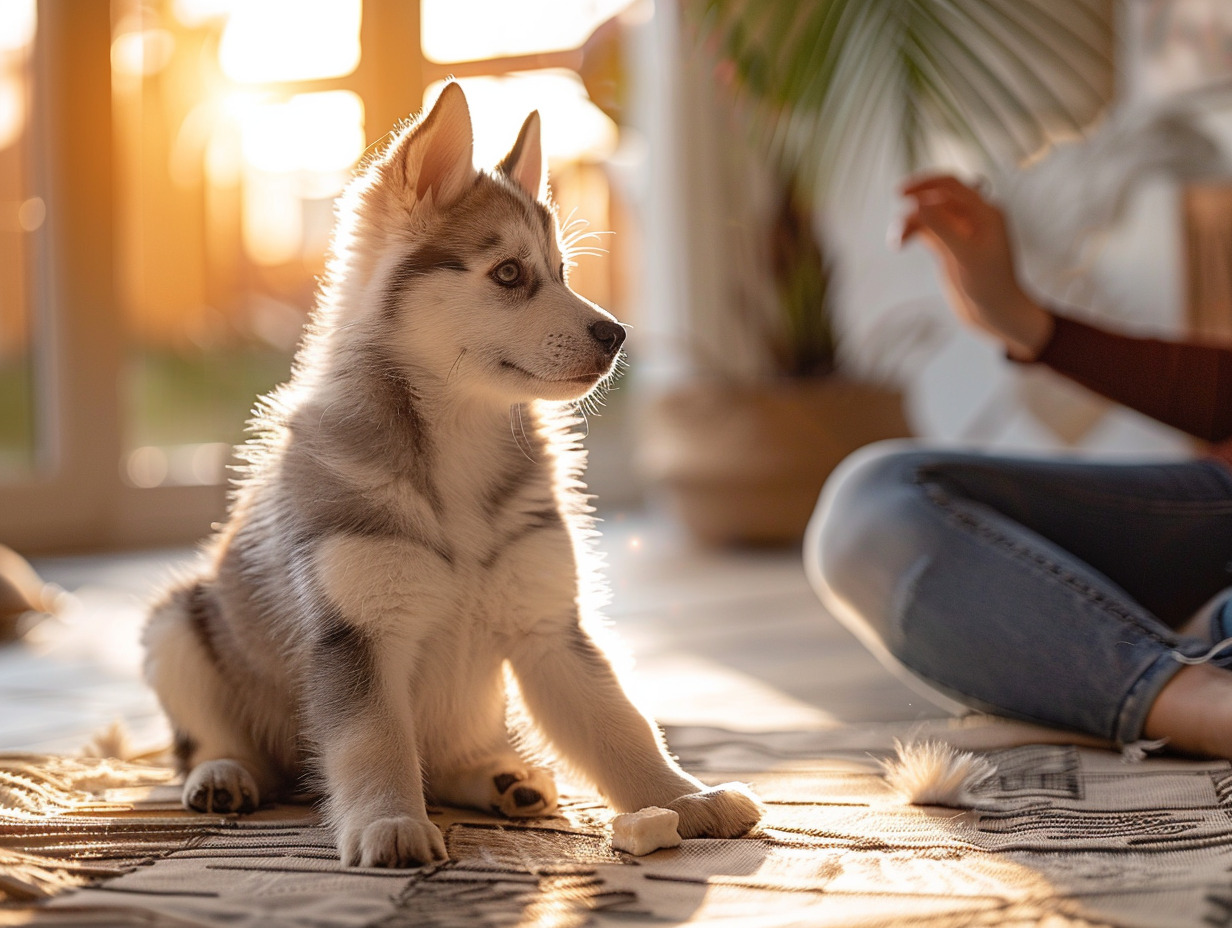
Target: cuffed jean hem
{"x": 1131, "y": 717}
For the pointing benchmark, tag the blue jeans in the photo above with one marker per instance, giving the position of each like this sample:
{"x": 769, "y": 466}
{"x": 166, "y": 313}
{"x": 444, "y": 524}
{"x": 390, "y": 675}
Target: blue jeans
{"x": 1048, "y": 590}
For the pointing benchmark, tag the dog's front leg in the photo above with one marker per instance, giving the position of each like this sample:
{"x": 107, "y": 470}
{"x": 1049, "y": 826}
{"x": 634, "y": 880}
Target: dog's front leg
{"x": 574, "y": 694}
{"x": 361, "y": 721}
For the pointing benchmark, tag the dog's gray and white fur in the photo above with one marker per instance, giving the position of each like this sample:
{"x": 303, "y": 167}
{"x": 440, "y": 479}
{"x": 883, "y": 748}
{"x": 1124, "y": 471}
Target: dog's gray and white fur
{"x": 409, "y": 522}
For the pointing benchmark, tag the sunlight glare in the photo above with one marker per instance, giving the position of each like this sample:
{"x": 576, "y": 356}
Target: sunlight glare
{"x": 17, "y": 23}
{"x": 573, "y": 127}
{"x": 224, "y": 161}
{"x": 292, "y": 150}
{"x": 679, "y": 688}
{"x": 273, "y": 218}
{"x": 467, "y": 30}
{"x": 320, "y": 133}
{"x": 31, "y": 214}
{"x": 142, "y": 52}
{"x": 291, "y": 40}
{"x": 12, "y": 110}
{"x": 193, "y": 13}
{"x": 146, "y": 467}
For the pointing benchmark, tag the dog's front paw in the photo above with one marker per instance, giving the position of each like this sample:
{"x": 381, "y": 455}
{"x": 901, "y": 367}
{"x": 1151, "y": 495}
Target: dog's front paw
{"x": 525, "y": 793}
{"x": 220, "y": 786}
{"x": 726, "y": 811}
{"x": 399, "y": 841}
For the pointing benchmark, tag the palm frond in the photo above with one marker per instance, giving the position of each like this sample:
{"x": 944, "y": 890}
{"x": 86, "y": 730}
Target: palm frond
{"x": 823, "y": 77}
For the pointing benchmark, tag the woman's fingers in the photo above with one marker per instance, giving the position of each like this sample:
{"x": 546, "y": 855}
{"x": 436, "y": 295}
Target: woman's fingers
{"x": 947, "y": 206}
{"x": 946, "y": 222}
{"x": 933, "y": 184}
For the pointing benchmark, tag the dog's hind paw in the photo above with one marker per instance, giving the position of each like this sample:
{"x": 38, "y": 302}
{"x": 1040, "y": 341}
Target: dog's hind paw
{"x": 399, "y": 841}
{"x": 524, "y": 794}
{"x": 220, "y": 786}
{"x": 726, "y": 811}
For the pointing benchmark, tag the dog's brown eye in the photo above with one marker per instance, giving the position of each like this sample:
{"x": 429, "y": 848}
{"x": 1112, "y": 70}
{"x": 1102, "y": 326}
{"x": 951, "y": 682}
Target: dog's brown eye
{"x": 508, "y": 273}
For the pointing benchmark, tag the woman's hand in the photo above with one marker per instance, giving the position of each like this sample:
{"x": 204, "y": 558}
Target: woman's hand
{"x": 969, "y": 235}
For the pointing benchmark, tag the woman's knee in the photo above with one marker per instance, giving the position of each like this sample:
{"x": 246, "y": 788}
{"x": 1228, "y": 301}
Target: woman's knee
{"x": 874, "y": 529}
{"x": 869, "y": 519}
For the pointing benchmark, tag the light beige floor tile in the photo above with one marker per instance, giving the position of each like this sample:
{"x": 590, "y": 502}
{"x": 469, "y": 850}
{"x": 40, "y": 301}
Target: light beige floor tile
{"x": 735, "y": 639}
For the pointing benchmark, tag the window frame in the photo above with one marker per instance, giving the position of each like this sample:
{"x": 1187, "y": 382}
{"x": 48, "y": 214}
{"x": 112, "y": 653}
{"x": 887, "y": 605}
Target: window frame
{"x": 77, "y": 499}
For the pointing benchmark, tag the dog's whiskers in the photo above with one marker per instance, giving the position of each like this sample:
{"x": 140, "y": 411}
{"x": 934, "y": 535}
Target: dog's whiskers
{"x": 573, "y": 232}
{"x": 454, "y": 368}
{"x": 518, "y": 428}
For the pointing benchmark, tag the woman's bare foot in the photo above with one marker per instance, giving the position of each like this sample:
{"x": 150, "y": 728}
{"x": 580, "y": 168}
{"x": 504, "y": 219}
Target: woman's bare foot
{"x": 1194, "y": 712}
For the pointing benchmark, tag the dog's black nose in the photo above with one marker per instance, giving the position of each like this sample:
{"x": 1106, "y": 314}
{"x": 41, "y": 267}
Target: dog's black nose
{"x": 611, "y": 335}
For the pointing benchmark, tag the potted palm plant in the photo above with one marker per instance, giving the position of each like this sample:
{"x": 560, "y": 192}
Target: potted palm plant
{"x": 817, "y": 91}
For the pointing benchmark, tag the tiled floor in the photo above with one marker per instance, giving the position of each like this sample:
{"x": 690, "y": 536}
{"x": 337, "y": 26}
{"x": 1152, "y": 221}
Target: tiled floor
{"x": 733, "y": 639}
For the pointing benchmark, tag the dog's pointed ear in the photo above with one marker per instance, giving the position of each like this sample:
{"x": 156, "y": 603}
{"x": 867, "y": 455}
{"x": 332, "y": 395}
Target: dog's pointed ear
{"x": 437, "y": 155}
{"x": 524, "y": 164}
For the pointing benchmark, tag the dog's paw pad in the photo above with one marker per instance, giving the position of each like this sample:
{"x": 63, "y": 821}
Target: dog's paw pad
{"x": 524, "y": 797}
{"x": 502, "y": 782}
{"x": 220, "y": 786}
{"x": 531, "y": 793}
{"x": 399, "y": 841}
{"x": 726, "y": 811}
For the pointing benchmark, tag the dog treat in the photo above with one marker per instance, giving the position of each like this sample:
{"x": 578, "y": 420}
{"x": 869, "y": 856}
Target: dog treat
{"x": 646, "y": 830}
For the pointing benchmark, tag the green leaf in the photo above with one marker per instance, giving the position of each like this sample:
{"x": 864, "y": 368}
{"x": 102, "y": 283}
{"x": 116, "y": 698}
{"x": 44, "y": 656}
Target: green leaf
{"x": 825, "y": 77}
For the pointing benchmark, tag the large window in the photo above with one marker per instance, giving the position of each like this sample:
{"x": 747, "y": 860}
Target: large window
{"x": 167, "y": 176}
{"x": 236, "y": 125}
{"x": 23, "y": 213}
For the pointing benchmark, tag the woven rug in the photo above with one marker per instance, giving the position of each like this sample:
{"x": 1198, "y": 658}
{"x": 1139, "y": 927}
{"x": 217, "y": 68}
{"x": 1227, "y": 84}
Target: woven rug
{"x": 1060, "y": 835}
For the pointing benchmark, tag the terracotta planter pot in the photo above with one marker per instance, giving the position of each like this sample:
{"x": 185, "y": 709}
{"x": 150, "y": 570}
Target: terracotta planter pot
{"x": 745, "y": 464}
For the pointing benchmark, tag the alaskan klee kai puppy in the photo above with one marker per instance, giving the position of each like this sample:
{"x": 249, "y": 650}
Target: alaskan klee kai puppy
{"x": 408, "y": 523}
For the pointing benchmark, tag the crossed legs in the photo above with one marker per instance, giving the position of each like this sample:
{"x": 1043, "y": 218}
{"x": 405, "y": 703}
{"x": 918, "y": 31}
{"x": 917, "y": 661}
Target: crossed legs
{"x": 1050, "y": 590}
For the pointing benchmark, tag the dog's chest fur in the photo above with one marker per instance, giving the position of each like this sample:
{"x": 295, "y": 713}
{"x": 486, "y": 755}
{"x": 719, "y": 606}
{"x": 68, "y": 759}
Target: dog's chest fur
{"x": 448, "y": 519}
